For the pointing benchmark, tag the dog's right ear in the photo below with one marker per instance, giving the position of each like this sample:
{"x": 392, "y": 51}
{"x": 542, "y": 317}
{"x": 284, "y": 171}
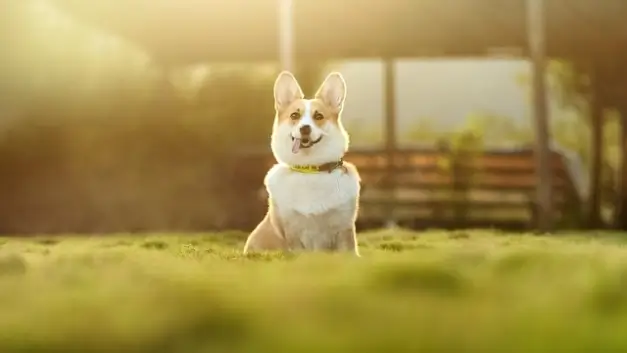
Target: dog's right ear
{"x": 286, "y": 90}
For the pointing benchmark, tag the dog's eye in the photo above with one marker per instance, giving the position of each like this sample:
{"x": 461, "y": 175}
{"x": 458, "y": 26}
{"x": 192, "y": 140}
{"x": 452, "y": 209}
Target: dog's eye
{"x": 318, "y": 116}
{"x": 295, "y": 116}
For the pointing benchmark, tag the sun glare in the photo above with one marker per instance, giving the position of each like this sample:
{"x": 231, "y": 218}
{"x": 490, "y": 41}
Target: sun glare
{"x": 47, "y": 14}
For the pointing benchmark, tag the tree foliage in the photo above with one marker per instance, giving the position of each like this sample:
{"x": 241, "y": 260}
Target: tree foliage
{"x": 95, "y": 136}
{"x": 569, "y": 84}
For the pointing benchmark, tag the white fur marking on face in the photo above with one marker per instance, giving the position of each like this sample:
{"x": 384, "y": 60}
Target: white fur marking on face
{"x": 306, "y": 118}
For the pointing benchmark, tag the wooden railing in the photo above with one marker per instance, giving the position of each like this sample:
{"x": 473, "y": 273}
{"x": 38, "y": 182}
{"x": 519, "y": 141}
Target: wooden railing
{"x": 430, "y": 188}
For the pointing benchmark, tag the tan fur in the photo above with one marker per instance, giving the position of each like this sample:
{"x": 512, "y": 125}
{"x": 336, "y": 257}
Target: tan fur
{"x": 264, "y": 238}
{"x": 317, "y": 106}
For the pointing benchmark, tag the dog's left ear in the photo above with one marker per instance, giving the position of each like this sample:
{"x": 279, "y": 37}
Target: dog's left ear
{"x": 333, "y": 91}
{"x": 286, "y": 90}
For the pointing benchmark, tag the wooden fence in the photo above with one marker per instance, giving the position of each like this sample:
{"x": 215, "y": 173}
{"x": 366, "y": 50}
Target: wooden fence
{"x": 436, "y": 188}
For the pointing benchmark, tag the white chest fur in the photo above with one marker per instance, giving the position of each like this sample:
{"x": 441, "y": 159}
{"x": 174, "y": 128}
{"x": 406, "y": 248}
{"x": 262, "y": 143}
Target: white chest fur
{"x": 310, "y": 194}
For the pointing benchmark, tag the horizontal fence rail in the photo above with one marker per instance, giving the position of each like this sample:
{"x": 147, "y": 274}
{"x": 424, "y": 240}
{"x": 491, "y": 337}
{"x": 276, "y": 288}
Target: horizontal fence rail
{"x": 435, "y": 188}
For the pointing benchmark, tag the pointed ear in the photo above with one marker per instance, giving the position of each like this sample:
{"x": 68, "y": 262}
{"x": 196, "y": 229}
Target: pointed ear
{"x": 333, "y": 91}
{"x": 286, "y": 90}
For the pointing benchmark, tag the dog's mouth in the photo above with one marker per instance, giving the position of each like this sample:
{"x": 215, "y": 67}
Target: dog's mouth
{"x": 303, "y": 142}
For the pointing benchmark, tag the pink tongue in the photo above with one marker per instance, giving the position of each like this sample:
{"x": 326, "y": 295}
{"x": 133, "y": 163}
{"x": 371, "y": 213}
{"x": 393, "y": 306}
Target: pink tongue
{"x": 296, "y": 146}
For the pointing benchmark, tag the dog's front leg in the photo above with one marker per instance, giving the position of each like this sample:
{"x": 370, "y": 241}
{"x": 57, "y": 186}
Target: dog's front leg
{"x": 347, "y": 241}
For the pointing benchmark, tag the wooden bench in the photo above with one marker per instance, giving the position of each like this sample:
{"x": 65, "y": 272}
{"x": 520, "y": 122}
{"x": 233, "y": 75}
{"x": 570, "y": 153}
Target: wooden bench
{"x": 428, "y": 187}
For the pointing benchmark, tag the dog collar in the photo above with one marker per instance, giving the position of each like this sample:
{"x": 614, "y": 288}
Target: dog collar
{"x": 312, "y": 169}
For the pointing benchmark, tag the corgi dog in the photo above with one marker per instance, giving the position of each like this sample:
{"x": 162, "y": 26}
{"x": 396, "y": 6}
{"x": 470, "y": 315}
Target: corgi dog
{"x": 313, "y": 194}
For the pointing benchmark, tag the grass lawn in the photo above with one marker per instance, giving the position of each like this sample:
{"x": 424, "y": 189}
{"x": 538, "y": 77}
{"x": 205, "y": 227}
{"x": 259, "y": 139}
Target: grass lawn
{"x": 464, "y": 291}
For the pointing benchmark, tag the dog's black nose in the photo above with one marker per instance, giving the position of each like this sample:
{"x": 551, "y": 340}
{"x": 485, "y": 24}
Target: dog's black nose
{"x": 305, "y": 130}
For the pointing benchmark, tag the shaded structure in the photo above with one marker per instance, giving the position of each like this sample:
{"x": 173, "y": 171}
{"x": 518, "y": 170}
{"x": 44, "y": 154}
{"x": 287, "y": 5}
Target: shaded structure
{"x": 188, "y": 31}
{"x": 179, "y": 33}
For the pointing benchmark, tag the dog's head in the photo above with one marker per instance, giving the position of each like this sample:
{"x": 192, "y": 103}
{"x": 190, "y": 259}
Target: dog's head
{"x": 309, "y": 131}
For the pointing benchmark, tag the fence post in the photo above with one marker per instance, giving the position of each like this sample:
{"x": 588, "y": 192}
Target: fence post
{"x": 390, "y": 138}
{"x": 536, "y": 37}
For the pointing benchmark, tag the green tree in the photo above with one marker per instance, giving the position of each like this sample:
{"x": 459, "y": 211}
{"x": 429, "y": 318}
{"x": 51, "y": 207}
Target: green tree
{"x": 575, "y": 87}
{"x": 107, "y": 139}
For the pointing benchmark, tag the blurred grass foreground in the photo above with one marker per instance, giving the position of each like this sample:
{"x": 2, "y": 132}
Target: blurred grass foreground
{"x": 475, "y": 291}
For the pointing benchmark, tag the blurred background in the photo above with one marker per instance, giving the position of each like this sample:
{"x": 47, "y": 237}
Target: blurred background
{"x": 145, "y": 115}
